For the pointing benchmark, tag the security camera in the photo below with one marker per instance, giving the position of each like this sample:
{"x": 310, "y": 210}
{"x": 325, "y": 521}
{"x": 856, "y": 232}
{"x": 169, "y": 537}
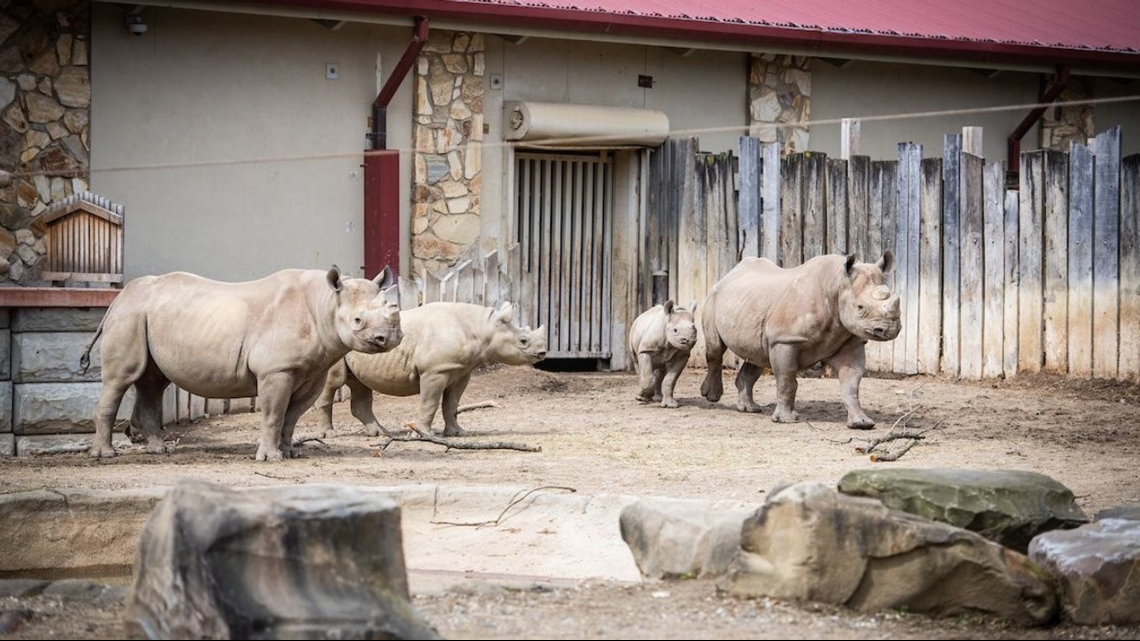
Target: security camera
{"x": 136, "y": 25}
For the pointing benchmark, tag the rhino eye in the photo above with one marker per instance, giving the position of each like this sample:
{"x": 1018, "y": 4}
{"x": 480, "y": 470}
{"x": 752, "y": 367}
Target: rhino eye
{"x": 674, "y": 330}
{"x": 522, "y": 341}
{"x": 861, "y": 308}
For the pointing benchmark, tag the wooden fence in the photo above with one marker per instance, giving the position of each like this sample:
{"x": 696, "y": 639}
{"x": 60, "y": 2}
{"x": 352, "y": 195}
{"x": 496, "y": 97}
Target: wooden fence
{"x": 993, "y": 281}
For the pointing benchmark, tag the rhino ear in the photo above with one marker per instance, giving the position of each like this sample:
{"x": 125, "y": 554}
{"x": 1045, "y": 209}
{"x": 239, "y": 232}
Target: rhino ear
{"x": 887, "y": 262}
{"x": 334, "y": 279}
{"x": 850, "y": 264}
{"x": 693, "y": 307}
{"x": 504, "y": 314}
{"x": 384, "y": 278}
{"x": 668, "y": 306}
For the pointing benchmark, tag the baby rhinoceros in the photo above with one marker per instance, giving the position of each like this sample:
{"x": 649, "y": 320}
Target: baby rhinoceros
{"x": 443, "y": 344}
{"x": 660, "y": 341}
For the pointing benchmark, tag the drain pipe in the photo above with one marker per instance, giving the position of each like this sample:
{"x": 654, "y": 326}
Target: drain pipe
{"x": 1051, "y": 93}
{"x": 382, "y": 170}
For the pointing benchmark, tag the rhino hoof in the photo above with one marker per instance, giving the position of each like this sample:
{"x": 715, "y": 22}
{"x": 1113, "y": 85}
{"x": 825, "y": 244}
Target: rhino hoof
{"x": 458, "y": 431}
{"x": 670, "y": 403}
{"x": 863, "y": 423}
{"x": 786, "y": 417}
{"x": 102, "y": 452}
{"x": 644, "y": 398}
{"x": 269, "y": 455}
{"x": 157, "y": 449}
{"x": 748, "y": 408}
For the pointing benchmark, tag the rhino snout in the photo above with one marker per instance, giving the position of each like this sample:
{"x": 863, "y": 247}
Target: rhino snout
{"x": 540, "y": 354}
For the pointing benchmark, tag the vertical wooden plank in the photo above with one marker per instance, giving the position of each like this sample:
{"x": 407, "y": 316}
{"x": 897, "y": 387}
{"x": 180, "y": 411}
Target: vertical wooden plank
{"x": 491, "y": 274}
{"x": 597, "y": 212}
{"x": 589, "y": 330}
{"x": 509, "y": 288}
{"x": 1080, "y": 260}
{"x": 749, "y": 207}
{"x": 1031, "y": 299}
{"x": 859, "y": 204}
{"x": 972, "y": 269}
{"x": 671, "y": 231}
{"x": 449, "y": 287}
{"x": 170, "y": 405}
{"x": 930, "y": 266}
{"x": 479, "y": 282}
{"x": 1056, "y": 272}
{"x": 849, "y": 142}
{"x": 527, "y": 282}
{"x": 770, "y": 207}
{"x": 1106, "y": 256}
{"x": 836, "y": 206}
{"x": 432, "y": 289}
{"x": 545, "y": 291}
{"x": 951, "y": 255}
{"x": 575, "y": 262}
{"x": 730, "y": 247}
{"x": 883, "y": 197}
{"x": 409, "y": 293}
{"x": 1012, "y": 271}
{"x": 791, "y": 211}
{"x": 913, "y": 278}
{"x": 972, "y": 141}
{"x": 626, "y": 231}
{"x": 607, "y": 195}
{"x": 693, "y": 247}
{"x": 1129, "y": 368}
{"x": 559, "y": 297}
{"x": 902, "y": 256}
{"x": 814, "y": 204}
{"x": 464, "y": 282}
{"x": 993, "y": 243}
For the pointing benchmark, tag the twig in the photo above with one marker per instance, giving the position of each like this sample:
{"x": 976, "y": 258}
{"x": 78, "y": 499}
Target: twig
{"x": 873, "y": 443}
{"x": 423, "y": 437}
{"x": 893, "y": 455}
{"x": 515, "y": 500}
{"x": 279, "y": 478}
{"x": 475, "y": 406}
{"x": 308, "y": 439}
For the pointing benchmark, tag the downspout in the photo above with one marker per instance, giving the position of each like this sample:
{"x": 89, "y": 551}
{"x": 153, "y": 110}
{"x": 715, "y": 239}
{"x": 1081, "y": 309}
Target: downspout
{"x": 1051, "y": 93}
{"x": 382, "y": 170}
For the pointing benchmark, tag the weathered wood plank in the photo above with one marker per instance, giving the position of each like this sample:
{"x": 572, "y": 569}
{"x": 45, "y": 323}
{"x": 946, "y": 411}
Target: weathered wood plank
{"x": 599, "y": 230}
{"x": 972, "y": 141}
{"x": 993, "y": 239}
{"x": 815, "y": 205}
{"x": 545, "y": 254}
{"x": 902, "y": 256}
{"x": 692, "y": 252}
{"x": 883, "y": 220}
{"x": 791, "y": 211}
{"x": 433, "y": 289}
{"x": 575, "y": 306}
{"x": 605, "y": 198}
{"x": 1032, "y": 287}
{"x": 1012, "y": 270}
{"x": 464, "y": 282}
{"x": 491, "y": 278}
{"x": 748, "y": 210}
{"x": 1106, "y": 257}
{"x": 409, "y": 293}
{"x": 1080, "y": 260}
{"x": 951, "y": 252}
{"x": 1130, "y": 268}
{"x": 914, "y": 159}
{"x": 972, "y": 267}
{"x": 930, "y": 266}
{"x": 509, "y": 288}
{"x": 858, "y": 209}
{"x": 849, "y": 141}
{"x": 1056, "y": 311}
{"x": 770, "y": 207}
{"x": 836, "y": 206}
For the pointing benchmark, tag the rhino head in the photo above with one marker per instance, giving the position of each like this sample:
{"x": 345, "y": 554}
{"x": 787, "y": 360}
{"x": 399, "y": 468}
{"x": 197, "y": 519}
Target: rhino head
{"x": 680, "y": 327}
{"x": 512, "y": 344}
{"x": 867, "y": 308}
{"x": 367, "y": 314}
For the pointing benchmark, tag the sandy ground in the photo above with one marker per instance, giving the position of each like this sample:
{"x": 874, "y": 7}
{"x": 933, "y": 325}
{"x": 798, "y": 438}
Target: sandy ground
{"x": 597, "y": 439}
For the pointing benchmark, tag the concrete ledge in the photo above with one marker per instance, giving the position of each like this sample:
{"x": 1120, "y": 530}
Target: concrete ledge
{"x": 37, "y": 445}
{"x": 7, "y": 445}
{"x": 56, "y": 297}
{"x": 57, "y": 319}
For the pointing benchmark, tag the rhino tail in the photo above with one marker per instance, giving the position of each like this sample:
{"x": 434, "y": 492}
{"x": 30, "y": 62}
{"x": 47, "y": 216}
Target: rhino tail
{"x": 85, "y": 360}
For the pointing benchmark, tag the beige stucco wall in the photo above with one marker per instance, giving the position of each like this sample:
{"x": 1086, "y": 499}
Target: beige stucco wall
{"x": 201, "y": 87}
{"x": 873, "y": 88}
{"x": 1125, "y": 114}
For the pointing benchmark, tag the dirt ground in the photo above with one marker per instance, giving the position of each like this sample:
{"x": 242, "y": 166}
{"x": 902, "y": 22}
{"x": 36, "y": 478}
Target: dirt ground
{"x": 597, "y": 439}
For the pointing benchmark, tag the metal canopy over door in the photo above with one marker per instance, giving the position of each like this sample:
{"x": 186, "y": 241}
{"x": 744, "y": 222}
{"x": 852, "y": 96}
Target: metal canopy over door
{"x": 564, "y": 216}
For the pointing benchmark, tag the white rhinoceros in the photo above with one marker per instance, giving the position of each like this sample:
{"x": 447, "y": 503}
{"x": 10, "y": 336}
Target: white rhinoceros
{"x": 443, "y": 343}
{"x": 274, "y": 338}
{"x": 824, "y": 310}
{"x": 660, "y": 341}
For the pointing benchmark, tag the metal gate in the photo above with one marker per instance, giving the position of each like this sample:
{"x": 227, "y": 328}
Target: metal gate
{"x": 564, "y": 219}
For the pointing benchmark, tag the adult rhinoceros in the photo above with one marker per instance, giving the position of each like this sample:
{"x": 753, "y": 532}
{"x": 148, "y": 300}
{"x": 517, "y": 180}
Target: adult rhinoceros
{"x": 824, "y": 310}
{"x": 273, "y": 338}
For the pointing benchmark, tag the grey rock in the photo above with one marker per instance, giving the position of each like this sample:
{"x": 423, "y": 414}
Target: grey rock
{"x": 674, "y": 538}
{"x": 18, "y": 588}
{"x": 1098, "y": 567}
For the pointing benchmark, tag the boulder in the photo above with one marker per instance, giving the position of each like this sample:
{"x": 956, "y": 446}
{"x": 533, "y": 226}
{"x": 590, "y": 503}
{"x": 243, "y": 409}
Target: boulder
{"x": 308, "y": 562}
{"x": 1008, "y": 507}
{"x": 674, "y": 538}
{"x": 1098, "y": 567}
{"x": 809, "y": 542}
{"x": 1127, "y": 512}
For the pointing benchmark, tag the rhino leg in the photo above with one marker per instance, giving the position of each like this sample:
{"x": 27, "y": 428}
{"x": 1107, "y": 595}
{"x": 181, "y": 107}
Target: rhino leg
{"x": 658, "y": 378}
{"x": 324, "y": 405}
{"x": 713, "y": 386}
{"x": 432, "y": 385}
{"x": 646, "y": 378}
{"x": 361, "y": 403}
{"x": 273, "y": 395}
{"x": 785, "y": 364}
{"x": 451, "y": 397}
{"x": 746, "y": 380}
{"x": 672, "y": 372}
{"x": 299, "y": 403}
{"x": 124, "y": 360}
{"x": 147, "y": 415}
{"x": 851, "y": 364}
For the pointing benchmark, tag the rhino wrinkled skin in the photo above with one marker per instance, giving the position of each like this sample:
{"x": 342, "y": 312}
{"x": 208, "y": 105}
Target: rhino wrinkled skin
{"x": 443, "y": 344}
{"x": 660, "y": 340}
{"x": 824, "y": 310}
{"x": 274, "y": 338}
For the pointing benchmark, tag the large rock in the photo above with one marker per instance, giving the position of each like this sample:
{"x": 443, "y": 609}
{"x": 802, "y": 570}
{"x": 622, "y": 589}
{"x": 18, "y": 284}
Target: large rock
{"x": 1127, "y": 512}
{"x": 52, "y": 357}
{"x": 1098, "y": 566}
{"x": 60, "y": 408}
{"x": 812, "y": 543}
{"x": 1009, "y": 507}
{"x": 674, "y": 538}
{"x": 57, "y": 319}
{"x": 312, "y": 562}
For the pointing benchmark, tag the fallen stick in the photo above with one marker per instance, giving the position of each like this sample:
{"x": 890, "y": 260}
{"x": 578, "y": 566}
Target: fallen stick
{"x": 514, "y": 501}
{"x": 422, "y": 437}
{"x": 308, "y": 439}
{"x": 893, "y": 455}
{"x": 475, "y": 406}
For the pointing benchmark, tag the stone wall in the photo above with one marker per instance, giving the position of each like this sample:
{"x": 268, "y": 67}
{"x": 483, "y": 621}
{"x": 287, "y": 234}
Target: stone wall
{"x": 46, "y": 403}
{"x": 448, "y": 139}
{"x": 779, "y": 93}
{"x": 1064, "y": 124}
{"x": 45, "y": 97}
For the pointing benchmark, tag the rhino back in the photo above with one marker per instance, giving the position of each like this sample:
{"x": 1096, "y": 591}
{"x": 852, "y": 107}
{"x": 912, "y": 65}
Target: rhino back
{"x": 647, "y": 334}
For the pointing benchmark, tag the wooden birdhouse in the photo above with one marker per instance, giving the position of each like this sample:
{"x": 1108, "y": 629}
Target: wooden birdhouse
{"x": 84, "y": 241}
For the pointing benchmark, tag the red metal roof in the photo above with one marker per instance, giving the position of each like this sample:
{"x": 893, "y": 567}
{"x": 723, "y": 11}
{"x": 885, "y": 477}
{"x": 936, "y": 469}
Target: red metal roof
{"x": 1102, "y": 33}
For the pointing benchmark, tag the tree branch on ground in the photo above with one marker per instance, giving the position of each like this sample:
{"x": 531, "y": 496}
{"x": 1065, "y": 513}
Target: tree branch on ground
{"x": 899, "y": 431}
{"x": 451, "y": 443}
{"x": 515, "y": 500}
{"x": 475, "y": 406}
